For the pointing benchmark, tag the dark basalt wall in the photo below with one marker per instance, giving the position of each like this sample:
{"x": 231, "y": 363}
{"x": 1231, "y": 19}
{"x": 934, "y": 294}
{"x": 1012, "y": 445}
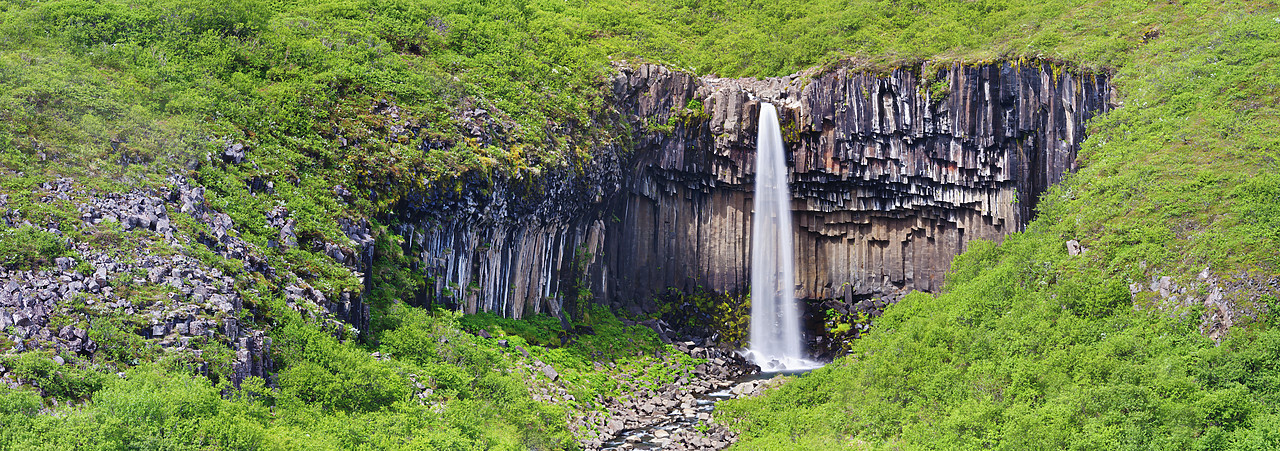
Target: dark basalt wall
{"x": 892, "y": 175}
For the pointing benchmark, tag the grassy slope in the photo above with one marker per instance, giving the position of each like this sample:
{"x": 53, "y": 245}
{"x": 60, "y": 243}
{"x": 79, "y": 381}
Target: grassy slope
{"x": 1027, "y": 344}
{"x": 1029, "y": 347}
{"x": 334, "y": 395}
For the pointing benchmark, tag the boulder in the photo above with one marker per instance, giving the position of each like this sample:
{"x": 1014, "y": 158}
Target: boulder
{"x": 550, "y": 372}
{"x": 233, "y": 153}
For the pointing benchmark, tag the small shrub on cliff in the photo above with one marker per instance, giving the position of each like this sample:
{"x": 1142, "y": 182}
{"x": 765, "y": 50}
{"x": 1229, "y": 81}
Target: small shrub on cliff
{"x": 28, "y": 248}
{"x": 393, "y": 278}
{"x": 843, "y": 328}
{"x": 61, "y": 381}
{"x": 708, "y": 312}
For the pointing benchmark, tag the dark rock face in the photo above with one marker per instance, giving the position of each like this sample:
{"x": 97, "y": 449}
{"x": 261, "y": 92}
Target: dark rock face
{"x": 887, "y": 184}
{"x": 518, "y": 250}
{"x": 892, "y": 176}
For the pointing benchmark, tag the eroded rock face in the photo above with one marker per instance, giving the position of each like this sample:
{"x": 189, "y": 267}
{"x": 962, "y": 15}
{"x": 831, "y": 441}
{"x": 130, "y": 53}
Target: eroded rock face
{"x": 888, "y": 182}
{"x": 892, "y": 175}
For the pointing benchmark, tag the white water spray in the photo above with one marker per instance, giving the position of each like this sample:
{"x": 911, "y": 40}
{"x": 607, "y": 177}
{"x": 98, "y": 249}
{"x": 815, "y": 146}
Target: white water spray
{"x": 775, "y": 320}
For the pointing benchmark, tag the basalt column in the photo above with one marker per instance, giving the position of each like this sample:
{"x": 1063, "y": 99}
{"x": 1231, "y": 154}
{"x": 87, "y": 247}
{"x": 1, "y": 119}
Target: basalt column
{"x": 892, "y": 174}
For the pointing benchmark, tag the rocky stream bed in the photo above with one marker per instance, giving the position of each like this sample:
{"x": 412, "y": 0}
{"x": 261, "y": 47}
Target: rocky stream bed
{"x": 680, "y": 415}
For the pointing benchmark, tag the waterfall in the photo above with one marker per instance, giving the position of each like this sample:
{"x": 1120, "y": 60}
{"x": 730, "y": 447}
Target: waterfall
{"x": 775, "y": 319}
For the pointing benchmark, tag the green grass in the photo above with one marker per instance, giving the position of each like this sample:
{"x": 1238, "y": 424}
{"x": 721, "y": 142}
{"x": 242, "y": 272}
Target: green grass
{"x": 334, "y": 394}
{"x": 1027, "y": 348}
{"x": 123, "y": 93}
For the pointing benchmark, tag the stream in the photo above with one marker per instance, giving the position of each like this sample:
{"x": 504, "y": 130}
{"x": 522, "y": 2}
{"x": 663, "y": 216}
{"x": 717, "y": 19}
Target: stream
{"x": 681, "y": 422}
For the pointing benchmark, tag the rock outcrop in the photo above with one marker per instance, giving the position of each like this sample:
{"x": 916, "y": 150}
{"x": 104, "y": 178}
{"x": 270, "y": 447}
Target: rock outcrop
{"x": 892, "y": 175}
{"x": 136, "y": 267}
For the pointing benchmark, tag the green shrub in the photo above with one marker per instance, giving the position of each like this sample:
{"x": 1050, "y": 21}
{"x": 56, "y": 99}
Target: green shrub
{"x": 27, "y": 247}
{"x": 426, "y": 338}
{"x": 19, "y": 402}
{"x": 500, "y": 389}
{"x": 321, "y": 370}
{"x": 118, "y": 340}
{"x": 61, "y": 381}
{"x": 540, "y": 330}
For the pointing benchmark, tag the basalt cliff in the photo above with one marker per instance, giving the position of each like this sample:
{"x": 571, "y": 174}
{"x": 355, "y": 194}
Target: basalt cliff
{"x": 892, "y": 174}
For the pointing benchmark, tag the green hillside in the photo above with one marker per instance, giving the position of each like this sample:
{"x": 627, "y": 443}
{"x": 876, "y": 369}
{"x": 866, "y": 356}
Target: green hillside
{"x": 1028, "y": 347}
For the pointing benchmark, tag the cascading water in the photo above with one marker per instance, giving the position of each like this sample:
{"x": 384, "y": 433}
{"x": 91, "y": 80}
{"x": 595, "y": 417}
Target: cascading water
{"x": 775, "y": 321}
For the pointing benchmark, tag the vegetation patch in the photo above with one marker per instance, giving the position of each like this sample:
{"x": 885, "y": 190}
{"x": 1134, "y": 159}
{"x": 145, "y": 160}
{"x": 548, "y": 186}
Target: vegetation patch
{"x": 338, "y": 108}
{"x": 723, "y": 317}
{"x": 1030, "y": 346}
